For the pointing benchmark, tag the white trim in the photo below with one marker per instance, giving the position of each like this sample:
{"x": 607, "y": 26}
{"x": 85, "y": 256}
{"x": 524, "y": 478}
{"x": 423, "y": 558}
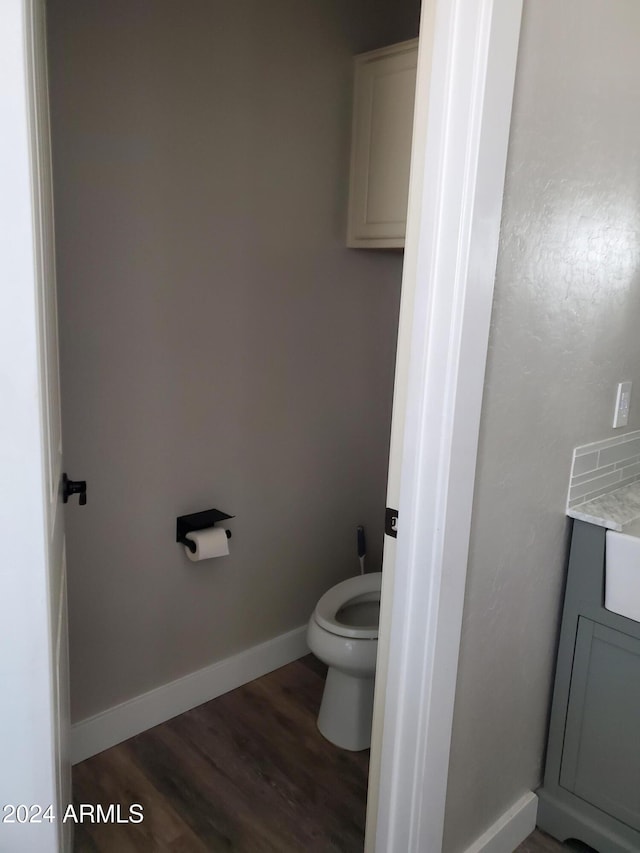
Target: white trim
{"x": 116, "y": 724}
{"x": 511, "y": 828}
{"x": 452, "y": 240}
{"x": 28, "y": 767}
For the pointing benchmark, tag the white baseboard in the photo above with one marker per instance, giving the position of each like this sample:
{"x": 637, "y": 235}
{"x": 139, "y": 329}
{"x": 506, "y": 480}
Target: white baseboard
{"x": 511, "y": 829}
{"x": 116, "y": 724}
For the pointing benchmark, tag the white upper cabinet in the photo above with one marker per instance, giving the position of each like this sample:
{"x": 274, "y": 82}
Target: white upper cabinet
{"x": 384, "y": 93}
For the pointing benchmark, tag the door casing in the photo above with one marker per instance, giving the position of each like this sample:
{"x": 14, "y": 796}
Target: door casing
{"x": 34, "y": 717}
{"x": 465, "y": 81}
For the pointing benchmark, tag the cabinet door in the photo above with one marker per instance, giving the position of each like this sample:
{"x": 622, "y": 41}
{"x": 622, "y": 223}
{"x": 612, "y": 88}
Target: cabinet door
{"x": 384, "y": 94}
{"x": 601, "y": 755}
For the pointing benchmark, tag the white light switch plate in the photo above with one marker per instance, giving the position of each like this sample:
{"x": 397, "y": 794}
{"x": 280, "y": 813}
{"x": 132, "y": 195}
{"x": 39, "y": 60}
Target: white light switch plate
{"x": 623, "y": 402}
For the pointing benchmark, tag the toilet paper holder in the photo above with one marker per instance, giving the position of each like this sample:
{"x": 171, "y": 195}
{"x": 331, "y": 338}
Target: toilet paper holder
{"x": 186, "y": 524}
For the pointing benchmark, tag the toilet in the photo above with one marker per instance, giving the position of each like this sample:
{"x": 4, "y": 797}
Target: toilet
{"x": 343, "y": 633}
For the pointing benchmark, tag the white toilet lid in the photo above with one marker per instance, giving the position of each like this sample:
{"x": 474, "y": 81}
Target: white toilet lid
{"x": 341, "y": 594}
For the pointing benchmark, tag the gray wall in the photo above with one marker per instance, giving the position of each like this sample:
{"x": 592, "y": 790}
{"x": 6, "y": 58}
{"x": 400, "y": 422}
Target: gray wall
{"x": 220, "y": 346}
{"x": 565, "y": 331}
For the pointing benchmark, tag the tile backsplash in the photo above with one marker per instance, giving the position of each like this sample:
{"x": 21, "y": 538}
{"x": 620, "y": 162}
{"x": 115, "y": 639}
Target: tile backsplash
{"x": 604, "y": 466}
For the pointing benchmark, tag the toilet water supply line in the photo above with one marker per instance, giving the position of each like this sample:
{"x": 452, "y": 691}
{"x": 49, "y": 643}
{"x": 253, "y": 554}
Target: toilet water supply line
{"x": 362, "y": 547}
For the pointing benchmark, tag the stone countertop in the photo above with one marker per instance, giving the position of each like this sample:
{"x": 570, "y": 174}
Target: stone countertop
{"x": 618, "y": 510}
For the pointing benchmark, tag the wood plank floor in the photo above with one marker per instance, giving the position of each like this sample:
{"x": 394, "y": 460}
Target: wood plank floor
{"x": 247, "y": 772}
{"x": 540, "y": 842}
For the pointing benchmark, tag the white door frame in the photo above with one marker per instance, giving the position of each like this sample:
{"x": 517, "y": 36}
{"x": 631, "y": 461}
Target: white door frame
{"x": 28, "y": 740}
{"x": 464, "y": 93}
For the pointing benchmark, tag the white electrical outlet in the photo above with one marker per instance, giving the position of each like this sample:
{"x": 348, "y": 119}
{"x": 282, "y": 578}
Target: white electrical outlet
{"x": 623, "y": 401}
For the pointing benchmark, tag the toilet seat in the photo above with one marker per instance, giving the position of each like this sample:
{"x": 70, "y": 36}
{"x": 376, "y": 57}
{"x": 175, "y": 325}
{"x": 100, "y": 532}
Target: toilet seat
{"x": 359, "y": 589}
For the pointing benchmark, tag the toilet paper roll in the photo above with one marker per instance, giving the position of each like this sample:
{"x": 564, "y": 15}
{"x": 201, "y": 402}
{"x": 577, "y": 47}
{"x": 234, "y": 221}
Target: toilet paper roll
{"x": 210, "y": 542}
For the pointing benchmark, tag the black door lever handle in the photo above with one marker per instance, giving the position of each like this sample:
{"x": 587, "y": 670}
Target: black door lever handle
{"x": 74, "y": 487}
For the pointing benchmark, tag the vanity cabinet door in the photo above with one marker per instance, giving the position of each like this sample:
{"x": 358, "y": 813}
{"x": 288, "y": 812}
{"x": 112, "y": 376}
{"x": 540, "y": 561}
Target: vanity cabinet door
{"x": 384, "y": 94}
{"x": 601, "y": 755}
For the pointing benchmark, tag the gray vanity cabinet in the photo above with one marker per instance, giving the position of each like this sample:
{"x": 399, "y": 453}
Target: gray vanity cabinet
{"x": 599, "y": 764}
{"x": 591, "y": 788}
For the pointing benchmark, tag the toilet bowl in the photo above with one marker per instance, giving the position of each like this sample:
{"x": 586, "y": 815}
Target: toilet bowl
{"x": 343, "y": 633}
